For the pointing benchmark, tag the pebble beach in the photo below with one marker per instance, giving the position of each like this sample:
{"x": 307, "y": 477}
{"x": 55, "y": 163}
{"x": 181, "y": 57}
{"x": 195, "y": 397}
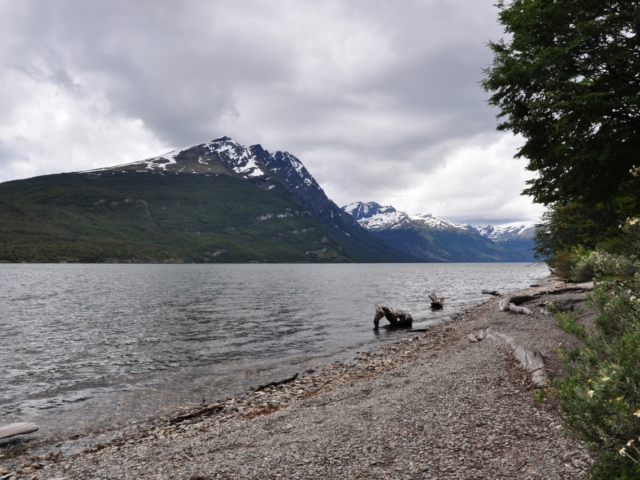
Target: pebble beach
{"x": 434, "y": 405}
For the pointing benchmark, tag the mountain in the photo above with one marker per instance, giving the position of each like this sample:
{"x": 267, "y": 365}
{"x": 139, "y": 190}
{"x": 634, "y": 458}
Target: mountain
{"x": 214, "y": 202}
{"x": 506, "y": 234}
{"x": 437, "y": 240}
{"x": 514, "y": 239}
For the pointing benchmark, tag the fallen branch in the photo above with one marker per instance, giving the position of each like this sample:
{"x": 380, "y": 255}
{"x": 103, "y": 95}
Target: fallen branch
{"x": 531, "y": 360}
{"x": 18, "y": 429}
{"x": 211, "y": 408}
{"x": 477, "y": 336}
{"x": 511, "y": 304}
{"x": 520, "y": 299}
{"x": 275, "y": 384}
{"x": 578, "y": 288}
{"x": 495, "y": 293}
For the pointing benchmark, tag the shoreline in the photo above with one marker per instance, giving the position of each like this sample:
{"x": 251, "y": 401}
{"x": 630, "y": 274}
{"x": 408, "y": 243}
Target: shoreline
{"x": 437, "y": 354}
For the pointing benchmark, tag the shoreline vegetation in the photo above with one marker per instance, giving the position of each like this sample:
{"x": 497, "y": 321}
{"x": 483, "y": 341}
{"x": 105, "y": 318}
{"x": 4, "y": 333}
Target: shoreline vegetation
{"x": 432, "y": 405}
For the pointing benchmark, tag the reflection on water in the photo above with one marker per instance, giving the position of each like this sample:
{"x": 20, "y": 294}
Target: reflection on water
{"x": 87, "y": 345}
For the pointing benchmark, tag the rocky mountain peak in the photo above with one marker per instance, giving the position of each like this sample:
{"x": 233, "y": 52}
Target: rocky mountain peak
{"x": 375, "y": 217}
{"x": 360, "y": 210}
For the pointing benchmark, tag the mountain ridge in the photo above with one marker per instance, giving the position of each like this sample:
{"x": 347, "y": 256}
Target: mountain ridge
{"x": 166, "y": 208}
{"x": 435, "y": 239}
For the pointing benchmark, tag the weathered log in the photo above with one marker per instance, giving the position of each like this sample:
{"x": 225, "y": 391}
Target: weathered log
{"x": 275, "y": 384}
{"x": 507, "y": 304}
{"x": 558, "y": 291}
{"x": 477, "y": 336}
{"x": 215, "y": 407}
{"x": 520, "y": 299}
{"x": 17, "y": 429}
{"x": 531, "y": 360}
{"x": 575, "y": 288}
{"x": 397, "y": 318}
{"x": 503, "y": 306}
{"x": 495, "y": 293}
{"x": 436, "y": 303}
{"x": 523, "y": 310}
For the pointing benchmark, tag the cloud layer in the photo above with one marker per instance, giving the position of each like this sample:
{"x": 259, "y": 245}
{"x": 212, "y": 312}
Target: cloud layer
{"x": 379, "y": 99}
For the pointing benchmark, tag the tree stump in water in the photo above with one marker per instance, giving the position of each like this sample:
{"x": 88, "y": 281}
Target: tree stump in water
{"x": 436, "y": 303}
{"x": 397, "y": 318}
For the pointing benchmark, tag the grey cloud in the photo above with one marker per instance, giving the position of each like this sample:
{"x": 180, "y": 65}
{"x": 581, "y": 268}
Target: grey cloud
{"x": 359, "y": 90}
{"x": 168, "y": 63}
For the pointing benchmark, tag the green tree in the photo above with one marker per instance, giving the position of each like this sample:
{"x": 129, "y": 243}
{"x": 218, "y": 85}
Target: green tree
{"x": 568, "y": 80}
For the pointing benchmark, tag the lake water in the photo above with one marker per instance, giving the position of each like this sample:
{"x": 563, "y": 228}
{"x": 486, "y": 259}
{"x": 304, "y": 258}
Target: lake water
{"x": 93, "y": 346}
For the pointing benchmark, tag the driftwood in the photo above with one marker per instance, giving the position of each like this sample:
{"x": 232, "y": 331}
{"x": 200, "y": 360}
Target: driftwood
{"x": 531, "y": 360}
{"x": 511, "y": 304}
{"x": 275, "y": 384}
{"x": 214, "y": 407}
{"x": 477, "y": 336}
{"x": 17, "y": 429}
{"x": 436, "y": 303}
{"x": 520, "y": 299}
{"x": 396, "y": 318}
{"x": 495, "y": 293}
{"x": 576, "y": 289}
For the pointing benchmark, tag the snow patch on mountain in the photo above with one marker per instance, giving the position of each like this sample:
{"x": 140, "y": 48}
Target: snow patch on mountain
{"x": 374, "y": 216}
{"x": 155, "y": 163}
{"x": 503, "y": 234}
{"x": 237, "y": 158}
{"x": 436, "y": 223}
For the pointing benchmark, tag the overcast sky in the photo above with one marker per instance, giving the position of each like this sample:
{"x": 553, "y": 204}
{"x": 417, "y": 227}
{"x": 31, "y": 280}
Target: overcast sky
{"x": 380, "y": 99}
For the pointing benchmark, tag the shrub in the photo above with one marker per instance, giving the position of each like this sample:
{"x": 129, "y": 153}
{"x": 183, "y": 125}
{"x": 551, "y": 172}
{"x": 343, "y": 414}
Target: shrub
{"x": 600, "y": 394}
{"x": 560, "y": 264}
{"x": 603, "y": 265}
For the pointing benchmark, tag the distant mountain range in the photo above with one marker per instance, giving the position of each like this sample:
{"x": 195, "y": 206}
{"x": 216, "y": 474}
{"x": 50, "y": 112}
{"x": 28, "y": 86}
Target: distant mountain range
{"x": 214, "y": 202}
{"x": 433, "y": 239}
{"x": 223, "y": 202}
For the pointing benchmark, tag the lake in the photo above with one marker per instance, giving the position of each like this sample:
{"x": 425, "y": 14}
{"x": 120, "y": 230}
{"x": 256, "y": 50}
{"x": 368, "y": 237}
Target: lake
{"x": 95, "y": 346}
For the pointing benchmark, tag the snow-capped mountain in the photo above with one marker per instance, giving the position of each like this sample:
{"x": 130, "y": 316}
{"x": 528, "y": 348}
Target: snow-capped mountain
{"x": 505, "y": 234}
{"x": 434, "y": 239}
{"x": 253, "y": 163}
{"x": 376, "y": 217}
{"x": 277, "y": 173}
{"x": 436, "y": 223}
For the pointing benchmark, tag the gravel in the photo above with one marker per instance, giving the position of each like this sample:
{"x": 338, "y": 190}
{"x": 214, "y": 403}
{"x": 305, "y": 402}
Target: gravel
{"x": 433, "y": 405}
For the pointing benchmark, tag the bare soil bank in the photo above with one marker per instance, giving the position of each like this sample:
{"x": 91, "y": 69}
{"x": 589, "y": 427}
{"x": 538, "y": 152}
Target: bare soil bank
{"x": 433, "y": 405}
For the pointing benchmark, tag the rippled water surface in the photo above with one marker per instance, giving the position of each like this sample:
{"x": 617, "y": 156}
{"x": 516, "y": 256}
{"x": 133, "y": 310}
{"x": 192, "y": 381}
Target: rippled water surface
{"x": 86, "y": 346}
